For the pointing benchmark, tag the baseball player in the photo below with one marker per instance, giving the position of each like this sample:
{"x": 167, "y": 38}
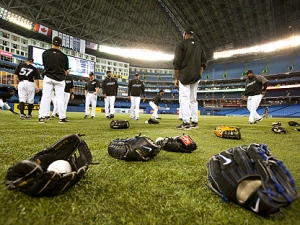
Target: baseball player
{"x": 110, "y": 91}
{"x": 26, "y": 80}
{"x": 135, "y": 89}
{"x": 56, "y": 63}
{"x": 69, "y": 93}
{"x": 4, "y": 98}
{"x": 91, "y": 91}
{"x": 154, "y": 104}
{"x": 255, "y": 88}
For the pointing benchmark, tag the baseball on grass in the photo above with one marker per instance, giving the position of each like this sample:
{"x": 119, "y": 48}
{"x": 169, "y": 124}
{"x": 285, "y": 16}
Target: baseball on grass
{"x": 60, "y": 166}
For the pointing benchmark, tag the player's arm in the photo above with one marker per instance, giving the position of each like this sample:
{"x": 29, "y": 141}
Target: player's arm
{"x": 16, "y": 81}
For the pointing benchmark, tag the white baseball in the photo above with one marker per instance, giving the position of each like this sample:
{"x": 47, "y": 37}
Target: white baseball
{"x": 146, "y": 121}
{"x": 159, "y": 139}
{"x": 60, "y": 166}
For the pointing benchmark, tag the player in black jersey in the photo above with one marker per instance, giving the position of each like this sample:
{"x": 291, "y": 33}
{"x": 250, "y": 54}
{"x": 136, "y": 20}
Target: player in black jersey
{"x": 56, "y": 63}
{"x": 189, "y": 63}
{"x": 154, "y": 104}
{"x": 26, "y": 80}
{"x": 135, "y": 89}
{"x": 92, "y": 87}
{"x": 4, "y": 96}
{"x": 110, "y": 91}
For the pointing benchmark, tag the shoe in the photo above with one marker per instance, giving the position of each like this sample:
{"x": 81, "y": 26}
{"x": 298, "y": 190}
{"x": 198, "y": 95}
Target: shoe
{"x": 15, "y": 113}
{"x": 52, "y": 116}
{"x": 23, "y": 117}
{"x": 251, "y": 122}
{"x": 258, "y": 120}
{"x": 158, "y": 118}
{"x": 92, "y": 117}
{"x": 184, "y": 126}
{"x": 56, "y": 115}
{"x": 111, "y": 116}
{"x": 180, "y": 119}
{"x": 47, "y": 118}
{"x": 65, "y": 120}
{"x": 136, "y": 118}
{"x": 41, "y": 120}
{"x": 108, "y": 117}
{"x": 29, "y": 117}
{"x": 194, "y": 125}
{"x": 86, "y": 116}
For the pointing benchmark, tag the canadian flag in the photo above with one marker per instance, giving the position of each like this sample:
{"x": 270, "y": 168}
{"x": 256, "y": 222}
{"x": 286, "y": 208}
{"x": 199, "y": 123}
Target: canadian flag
{"x": 42, "y": 29}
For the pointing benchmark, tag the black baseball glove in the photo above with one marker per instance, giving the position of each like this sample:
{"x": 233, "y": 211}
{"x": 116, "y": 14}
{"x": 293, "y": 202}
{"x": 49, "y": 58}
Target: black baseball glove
{"x": 34, "y": 177}
{"x": 278, "y": 129}
{"x": 183, "y": 143}
{"x": 138, "y": 148}
{"x": 119, "y": 124}
{"x": 252, "y": 177}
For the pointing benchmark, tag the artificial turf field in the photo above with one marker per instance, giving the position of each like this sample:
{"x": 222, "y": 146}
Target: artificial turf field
{"x": 169, "y": 189}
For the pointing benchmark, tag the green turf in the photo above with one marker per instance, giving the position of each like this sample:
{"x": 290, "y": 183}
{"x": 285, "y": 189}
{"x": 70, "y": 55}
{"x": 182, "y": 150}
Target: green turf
{"x": 170, "y": 189}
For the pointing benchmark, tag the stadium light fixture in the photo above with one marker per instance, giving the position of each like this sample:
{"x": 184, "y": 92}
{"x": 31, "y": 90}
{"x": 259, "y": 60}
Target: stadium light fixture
{"x": 291, "y": 42}
{"x": 16, "y": 19}
{"x": 141, "y": 54}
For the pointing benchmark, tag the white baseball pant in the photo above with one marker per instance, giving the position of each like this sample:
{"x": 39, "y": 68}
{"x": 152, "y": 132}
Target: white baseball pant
{"x": 155, "y": 110}
{"x": 188, "y": 102}
{"x": 252, "y": 105}
{"x": 90, "y": 98}
{"x": 26, "y": 91}
{"x": 135, "y": 106}
{"x": 109, "y": 102}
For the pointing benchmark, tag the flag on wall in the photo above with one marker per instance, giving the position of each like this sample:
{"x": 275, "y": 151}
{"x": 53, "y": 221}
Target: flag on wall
{"x": 42, "y": 29}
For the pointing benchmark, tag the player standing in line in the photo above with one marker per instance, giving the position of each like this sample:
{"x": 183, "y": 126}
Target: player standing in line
{"x": 69, "y": 93}
{"x": 110, "y": 91}
{"x": 3, "y": 100}
{"x": 135, "y": 89}
{"x": 255, "y": 88}
{"x": 56, "y": 63}
{"x": 92, "y": 87}
{"x": 189, "y": 63}
{"x": 26, "y": 81}
{"x": 154, "y": 104}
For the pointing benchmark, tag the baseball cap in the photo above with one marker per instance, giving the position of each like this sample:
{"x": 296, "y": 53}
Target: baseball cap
{"x": 161, "y": 91}
{"x": 108, "y": 71}
{"x": 30, "y": 59}
{"x": 91, "y": 74}
{"x": 249, "y": 71}
{"x": 57, "y": 41}
{"x": 190, "y": 29}
{"x": 136, "y": 74}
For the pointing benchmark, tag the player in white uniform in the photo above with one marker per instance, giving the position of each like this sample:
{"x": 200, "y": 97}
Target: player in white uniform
{"x": 92, "y": 87}
{"x": 255, "y": 88}
{"x": 135, "y": 89}
{"x": 26, "y": 81}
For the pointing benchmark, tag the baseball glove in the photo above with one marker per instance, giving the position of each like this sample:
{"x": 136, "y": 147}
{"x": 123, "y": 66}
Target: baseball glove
{"x": 230, "y": 132}
{"x": 183, "y": 143}
{"x": 152, "y": 121}
{"x": 293, "y": 123}
{"x": 278, "y": 129}
{"x": 33, "y": 177}
{"x": 252, "y": 177}
{"x": 119, "y": 124}
{"x": 138, "y": 148}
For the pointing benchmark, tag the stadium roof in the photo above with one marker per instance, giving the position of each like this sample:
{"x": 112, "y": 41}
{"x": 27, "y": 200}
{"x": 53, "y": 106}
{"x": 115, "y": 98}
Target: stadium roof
{"x": 158, "y": 24}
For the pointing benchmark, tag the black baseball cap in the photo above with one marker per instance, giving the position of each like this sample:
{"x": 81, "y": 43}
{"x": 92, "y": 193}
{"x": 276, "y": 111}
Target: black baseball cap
{"x": 57, "y": 41}
{"x": 30, "y": 59}
{"x": 249, "y": 71}
{"x": 136, "y": 74}
{"x": 190, "y": 29}
{"x": 161, "y": 91}
{"x": 91, "y": 74}
{"x": 108, "y": 71}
